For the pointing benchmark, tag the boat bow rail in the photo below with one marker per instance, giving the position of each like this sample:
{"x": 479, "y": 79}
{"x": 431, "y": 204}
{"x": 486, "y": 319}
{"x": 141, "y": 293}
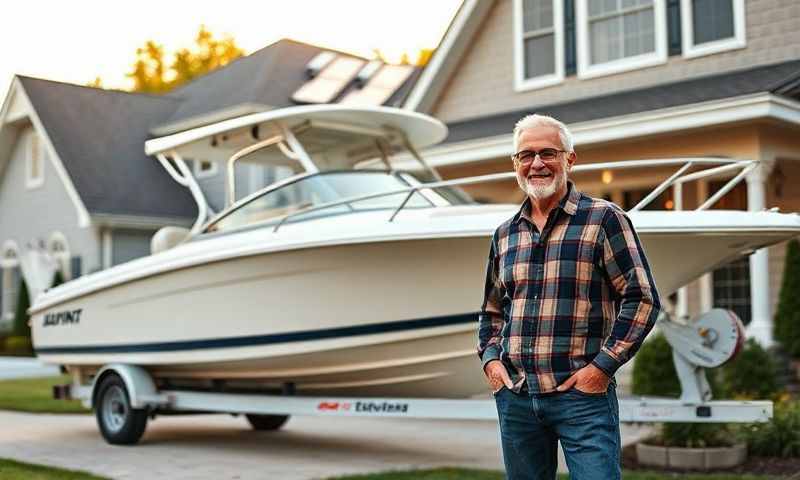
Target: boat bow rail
{"x": 718, "y": 167}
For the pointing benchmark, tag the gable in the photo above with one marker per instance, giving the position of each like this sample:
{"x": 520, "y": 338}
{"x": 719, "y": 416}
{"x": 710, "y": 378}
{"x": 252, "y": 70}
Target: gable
{"x": 18, "y": 118}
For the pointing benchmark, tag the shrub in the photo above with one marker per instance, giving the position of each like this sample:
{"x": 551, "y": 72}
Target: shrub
{"x": 787, "y": 316}
{"x": 696, "y": 435}
{"x": 780, "y": 437}
{"x": 752, "y": 374}
{"x": 654, "y": 371}
{"x": 18, "y": 345}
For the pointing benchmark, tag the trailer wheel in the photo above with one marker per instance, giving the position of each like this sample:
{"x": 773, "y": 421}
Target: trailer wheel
{"x": 266, "y": 422}
{"x": 120, "y": 424}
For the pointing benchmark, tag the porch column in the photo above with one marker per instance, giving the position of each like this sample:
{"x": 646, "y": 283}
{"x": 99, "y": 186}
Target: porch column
{"x": 682, "y": 304}
{"x": 760, "y": 326}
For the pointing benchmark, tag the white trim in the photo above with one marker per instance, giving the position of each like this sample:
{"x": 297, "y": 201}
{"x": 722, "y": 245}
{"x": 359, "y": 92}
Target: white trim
{"x": 108, "y": 258}
{"x": 199, "y": 173}
{"x": 521, "y": 83}
{"x": 739, "y": 39}
{"x": 717, "y": 112}
{"x": 657, "y": 57}
{"x": 55, "y": 160}
{"x": 31, "y": 138}
{"x": 419, "y": 98}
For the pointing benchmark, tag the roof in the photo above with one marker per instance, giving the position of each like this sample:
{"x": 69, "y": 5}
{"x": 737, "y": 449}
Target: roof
{"x": 780, "y": 79}
{"x": 99, "y": 136}
{"x": 263, "y": 80}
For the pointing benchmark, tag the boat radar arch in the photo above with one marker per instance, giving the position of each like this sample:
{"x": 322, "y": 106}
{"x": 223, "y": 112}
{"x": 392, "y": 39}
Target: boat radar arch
{"x": 337, "y": 125}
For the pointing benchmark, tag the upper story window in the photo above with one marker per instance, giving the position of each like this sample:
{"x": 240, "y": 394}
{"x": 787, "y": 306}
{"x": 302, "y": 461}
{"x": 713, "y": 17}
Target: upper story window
{"x": 620, "y": 35}
{"x": 538, "y": 43}
{"x": 34, "y": 162}
{"x": 204, "y": 168}
{"x": 712, "y": 26}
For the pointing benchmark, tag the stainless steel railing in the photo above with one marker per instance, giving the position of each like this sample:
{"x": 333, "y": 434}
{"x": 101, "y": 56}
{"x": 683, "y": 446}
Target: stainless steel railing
{"x": 680, "y": 177}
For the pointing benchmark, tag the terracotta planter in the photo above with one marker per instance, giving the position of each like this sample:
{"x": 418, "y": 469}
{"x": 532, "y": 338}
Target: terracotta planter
{"x": 691, "y": 458}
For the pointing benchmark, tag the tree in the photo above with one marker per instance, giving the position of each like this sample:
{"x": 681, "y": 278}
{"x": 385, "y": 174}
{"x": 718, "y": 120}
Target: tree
{"x": 21, "y": 327}
{"x": 787, "y": 317}
{"x": 151, "y": 74}
{"x": 424, "y": 56}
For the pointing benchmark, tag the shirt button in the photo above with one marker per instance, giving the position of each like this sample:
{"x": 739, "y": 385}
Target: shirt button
{"x": 536, "y": 297}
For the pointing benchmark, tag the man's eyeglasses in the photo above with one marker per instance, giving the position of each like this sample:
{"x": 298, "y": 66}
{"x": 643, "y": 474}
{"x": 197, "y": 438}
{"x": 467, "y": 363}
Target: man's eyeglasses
{"x": 548, "y": 155}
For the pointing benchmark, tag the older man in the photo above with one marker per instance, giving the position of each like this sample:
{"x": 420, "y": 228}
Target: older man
{"x": 569, "y": 298}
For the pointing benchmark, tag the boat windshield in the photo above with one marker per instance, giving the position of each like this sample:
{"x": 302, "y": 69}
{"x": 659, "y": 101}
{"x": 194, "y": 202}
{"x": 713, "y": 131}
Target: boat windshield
{"x": 316, "y": 190}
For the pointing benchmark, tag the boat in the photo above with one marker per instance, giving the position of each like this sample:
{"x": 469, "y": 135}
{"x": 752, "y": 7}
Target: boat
{"x": 351, "y": 277}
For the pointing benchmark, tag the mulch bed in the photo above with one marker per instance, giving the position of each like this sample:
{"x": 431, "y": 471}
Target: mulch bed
{"x": 778, "y": 467}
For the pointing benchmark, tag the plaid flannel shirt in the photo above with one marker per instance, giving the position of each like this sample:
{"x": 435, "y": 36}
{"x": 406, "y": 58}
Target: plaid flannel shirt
{"x": 580, "y": 291}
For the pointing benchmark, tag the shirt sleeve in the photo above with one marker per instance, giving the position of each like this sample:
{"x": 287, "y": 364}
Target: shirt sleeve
{"x": 490, "y": 319}
{"x": 629, "y": 273}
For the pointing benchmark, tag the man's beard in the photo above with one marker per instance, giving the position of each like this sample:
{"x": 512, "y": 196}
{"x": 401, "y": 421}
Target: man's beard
{"x": 543, "y": 191}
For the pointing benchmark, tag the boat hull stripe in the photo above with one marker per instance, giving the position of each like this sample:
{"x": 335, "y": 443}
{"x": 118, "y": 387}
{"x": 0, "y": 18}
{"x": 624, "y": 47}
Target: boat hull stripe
{"x": 254, "y": 340}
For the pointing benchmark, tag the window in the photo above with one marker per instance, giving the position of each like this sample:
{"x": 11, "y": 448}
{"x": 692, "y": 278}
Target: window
{"x": 34, "y": 170}
{"x": 204, "y": 168}
{"x": 315, "y": 190}
{"x": 732, "y": 288}
{"x": 620, "y": 35}
{"x": 712, "y": 26}
{"x": 538, "y": 43}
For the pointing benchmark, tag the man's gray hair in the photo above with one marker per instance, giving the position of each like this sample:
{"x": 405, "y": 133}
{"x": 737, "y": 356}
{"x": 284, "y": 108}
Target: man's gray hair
{"x": 532, "y": 121}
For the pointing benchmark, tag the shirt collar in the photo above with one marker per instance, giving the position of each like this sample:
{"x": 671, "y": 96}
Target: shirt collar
{"x": 569, "y": 204}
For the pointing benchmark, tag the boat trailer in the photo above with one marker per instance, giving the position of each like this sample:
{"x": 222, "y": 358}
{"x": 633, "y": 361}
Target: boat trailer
{"x": 124, "y": 396}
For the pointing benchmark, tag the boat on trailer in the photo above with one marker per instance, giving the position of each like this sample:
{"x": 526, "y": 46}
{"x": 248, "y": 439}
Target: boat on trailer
{"x": 349, "y": 278}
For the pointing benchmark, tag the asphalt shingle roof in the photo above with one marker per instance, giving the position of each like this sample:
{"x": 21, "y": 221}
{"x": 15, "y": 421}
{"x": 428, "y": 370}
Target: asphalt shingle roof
{"x": 99, "y": 136}
{"x": 781, "y": 79}
{"x": 266, "y": 77}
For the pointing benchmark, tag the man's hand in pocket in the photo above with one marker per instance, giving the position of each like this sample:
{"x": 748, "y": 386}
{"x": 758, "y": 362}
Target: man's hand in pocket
{"x": 497, "y": 375}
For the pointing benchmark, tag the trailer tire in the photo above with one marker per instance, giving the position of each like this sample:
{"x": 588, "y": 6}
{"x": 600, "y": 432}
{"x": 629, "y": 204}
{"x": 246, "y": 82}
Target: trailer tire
{"x": 119, "y": 423}
{"x": 266, "y": 422}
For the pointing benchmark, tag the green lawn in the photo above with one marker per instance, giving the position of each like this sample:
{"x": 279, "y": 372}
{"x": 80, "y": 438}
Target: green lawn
{"x": 11, "y": 470}
{"x": 465, "y": 474}
{"x": 35, "y": 395}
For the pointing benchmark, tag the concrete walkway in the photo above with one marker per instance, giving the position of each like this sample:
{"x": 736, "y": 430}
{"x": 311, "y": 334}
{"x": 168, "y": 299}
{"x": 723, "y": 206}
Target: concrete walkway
{"x": 223, "y": 447}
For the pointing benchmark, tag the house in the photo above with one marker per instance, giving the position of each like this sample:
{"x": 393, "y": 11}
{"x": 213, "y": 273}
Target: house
{"x": 634, "y": 79}
{"x": 74, "y": 178}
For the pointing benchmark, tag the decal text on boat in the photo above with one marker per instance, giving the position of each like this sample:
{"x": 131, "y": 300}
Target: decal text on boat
{"x": 62, "y": 318}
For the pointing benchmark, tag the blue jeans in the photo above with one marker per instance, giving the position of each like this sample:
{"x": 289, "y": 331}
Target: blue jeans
{"x": 586, "y": 424}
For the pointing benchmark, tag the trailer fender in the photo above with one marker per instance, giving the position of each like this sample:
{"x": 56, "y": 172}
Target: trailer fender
{"x": 138, "y": 383}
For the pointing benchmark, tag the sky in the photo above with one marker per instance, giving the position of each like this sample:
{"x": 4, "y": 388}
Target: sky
{"x": 80, "y": 40}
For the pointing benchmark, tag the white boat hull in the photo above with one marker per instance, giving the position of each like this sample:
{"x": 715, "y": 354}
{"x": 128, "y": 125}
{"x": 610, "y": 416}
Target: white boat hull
{"x": 389, "y": 314}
